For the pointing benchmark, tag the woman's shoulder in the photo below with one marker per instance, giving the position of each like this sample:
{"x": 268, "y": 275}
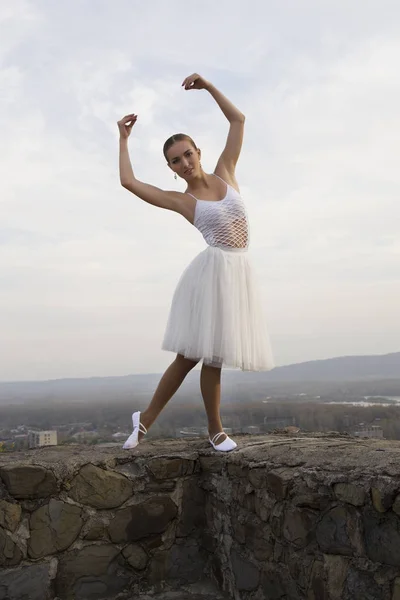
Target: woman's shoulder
{"x": 227, "y": 177}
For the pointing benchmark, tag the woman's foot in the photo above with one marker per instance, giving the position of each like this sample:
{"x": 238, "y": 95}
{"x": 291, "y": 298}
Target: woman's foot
{"x": 226, "y": 445}
{"x": 139, "y": 430}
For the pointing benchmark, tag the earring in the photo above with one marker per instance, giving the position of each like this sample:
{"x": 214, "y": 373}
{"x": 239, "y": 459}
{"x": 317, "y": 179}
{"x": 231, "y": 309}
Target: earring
{"x": 175, "y": 176}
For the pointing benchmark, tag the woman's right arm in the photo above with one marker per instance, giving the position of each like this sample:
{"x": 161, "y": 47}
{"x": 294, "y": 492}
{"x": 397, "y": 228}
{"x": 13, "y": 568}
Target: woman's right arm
{"x": 148, "y": 193}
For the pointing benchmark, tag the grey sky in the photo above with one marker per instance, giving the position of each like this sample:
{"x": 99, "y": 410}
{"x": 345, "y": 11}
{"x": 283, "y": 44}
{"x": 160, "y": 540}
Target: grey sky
{"x": 87, "y": 271}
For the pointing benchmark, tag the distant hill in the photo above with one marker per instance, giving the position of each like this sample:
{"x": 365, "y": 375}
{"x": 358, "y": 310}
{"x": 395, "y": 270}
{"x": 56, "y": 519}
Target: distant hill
{"x": 344, "y": 368}
{"x": 334, "y": 370}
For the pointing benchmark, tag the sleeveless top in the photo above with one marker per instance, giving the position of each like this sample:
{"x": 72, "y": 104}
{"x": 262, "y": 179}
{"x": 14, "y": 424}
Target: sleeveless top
{"x": 223, "y": 223}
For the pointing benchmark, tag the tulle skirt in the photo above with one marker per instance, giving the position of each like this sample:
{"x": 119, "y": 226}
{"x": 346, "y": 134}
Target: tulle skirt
{"x": 216, "y": 313}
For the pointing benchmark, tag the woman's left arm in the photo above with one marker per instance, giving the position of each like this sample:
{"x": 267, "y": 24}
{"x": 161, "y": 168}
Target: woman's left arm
{"x": 230, "y": 154}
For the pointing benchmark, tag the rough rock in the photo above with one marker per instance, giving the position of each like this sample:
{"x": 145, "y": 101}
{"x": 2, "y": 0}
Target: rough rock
{"x": 299, "y": 526}
{"x": 382, "y": 499}
{"x": 350, "y": 493}
{"x": 396, "y": 505}
{"x": 10, "y": 554}
{"x": 247, "y": 575}
{"x": 170, "y": 468}
{"x": 28, "y": 481}
{"x": 26, "y": 583}
{"x": 276, "y": 584}
{"x": 396, "y": 589}
{"x": 100, "y": 488}
{"x": 382, "y": 535}
{"x": 362, "y": 584}
{"x": 192, "y": 517}
{"x": 135, "y": 556}
{"x": 279, "y": 480}
{"x": 336, "y": 567}
{"x": 10, "y": 515}
{"x": 185, "y": 561}
{"x": 141, "y": 520}
{"x": 53, "y": 528}
{"x": 339, "y": 532}
{"x": 89, "y": 573}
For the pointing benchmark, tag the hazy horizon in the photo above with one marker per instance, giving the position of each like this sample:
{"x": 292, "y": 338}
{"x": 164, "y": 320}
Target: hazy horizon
{"x": 87, "y": 270}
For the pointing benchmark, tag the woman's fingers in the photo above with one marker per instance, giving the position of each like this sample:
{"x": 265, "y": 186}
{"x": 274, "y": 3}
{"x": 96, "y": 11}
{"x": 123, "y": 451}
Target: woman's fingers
{"x": 127, "y": 119}
{"x": 190, "y": 81}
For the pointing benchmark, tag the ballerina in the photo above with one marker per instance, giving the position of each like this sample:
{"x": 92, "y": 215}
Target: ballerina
{"x": 216, "y": 315}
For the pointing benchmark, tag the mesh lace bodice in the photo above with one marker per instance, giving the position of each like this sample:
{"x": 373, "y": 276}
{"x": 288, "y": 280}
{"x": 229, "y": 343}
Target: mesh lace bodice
{"x": 223, "y": 223}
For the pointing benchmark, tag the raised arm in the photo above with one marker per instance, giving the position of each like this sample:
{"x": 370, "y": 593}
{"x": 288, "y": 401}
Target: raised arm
{"x": 230, "y": 154}
{"x": 149, "y": 193}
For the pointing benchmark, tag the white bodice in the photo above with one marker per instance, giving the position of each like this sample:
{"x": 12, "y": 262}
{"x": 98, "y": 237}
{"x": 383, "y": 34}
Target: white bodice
{"x": 223, "y": 223}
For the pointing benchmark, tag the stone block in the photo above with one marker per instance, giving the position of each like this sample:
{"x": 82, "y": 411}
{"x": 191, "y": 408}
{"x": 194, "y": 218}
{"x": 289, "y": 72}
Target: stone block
{"x": 26, "y": 583}
{"x": 257, "y": 477}
{"x": 299, "y": 526}
{"x": 54, "y": 527}
{"x": 276, "y": 584}
{"x": 135, "y": 556}
{"x": 339, "y": 532}
{"x": 192, "y": 517}
{"x": 28, "y": 481}
{"x": 90, "y": 573}
{"x": 10, "y": 515}
{"x": 396, "y": 589}
{"x": 236, "y": 471}
{"x": 279, "y": 480}
{"x": 95, "y": 530}
{"x": 382, "y": 536}
{"x": 100, "y": 488}
{"x": 211, "y": 464}
{"x": 382, "y": 499}
{"x": 247, "y": 575}
{"x": 171, "y": 468}
{"x": 336, "y": 567}
{"x": 396, "y": 505}
{"x": 317, "y": 587}
{"x": 10, "y": 554}
{"x": 307, "y": 498}
{"x": 362, "y": 584}
{"x": 185, "y": 562}
{"x": 276, "y": 520}
{"x": 350, "y": 493}
{"x": 140, "y": 520}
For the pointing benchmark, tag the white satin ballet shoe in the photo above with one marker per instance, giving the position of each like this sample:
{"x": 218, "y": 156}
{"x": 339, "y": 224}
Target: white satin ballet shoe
{"x": 225, "y": 446}
{"x": 133, "y": 439}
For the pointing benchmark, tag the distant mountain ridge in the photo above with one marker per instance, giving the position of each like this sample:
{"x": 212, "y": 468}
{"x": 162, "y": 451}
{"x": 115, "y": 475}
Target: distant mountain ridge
{"x": 345, "y": 368}
{"x": 340, "y": 369}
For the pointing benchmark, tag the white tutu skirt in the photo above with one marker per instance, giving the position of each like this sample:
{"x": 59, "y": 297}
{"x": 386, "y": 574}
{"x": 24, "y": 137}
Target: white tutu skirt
{"x": 216, "y": 313}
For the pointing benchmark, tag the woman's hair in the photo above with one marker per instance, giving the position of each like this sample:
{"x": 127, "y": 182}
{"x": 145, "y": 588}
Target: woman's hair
{"x": 177, "y": 137}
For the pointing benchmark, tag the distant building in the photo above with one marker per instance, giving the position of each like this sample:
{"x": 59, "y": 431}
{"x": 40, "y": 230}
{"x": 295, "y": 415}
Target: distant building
{"x": 84, "y": 436}
{"x": 37, "y": 439}
{"x": 373, "y": 431}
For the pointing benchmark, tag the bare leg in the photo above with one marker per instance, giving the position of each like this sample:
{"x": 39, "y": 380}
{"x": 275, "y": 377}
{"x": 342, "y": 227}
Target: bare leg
{"x": 169, "y": 384}
{"x": 210, "y": 385}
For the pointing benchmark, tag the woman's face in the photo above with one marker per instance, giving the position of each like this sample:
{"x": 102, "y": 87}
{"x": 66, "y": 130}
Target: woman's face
{"x": 184, "y": 160}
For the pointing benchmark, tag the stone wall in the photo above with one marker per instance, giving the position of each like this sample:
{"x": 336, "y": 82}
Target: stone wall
{"x": 308, "y": 517}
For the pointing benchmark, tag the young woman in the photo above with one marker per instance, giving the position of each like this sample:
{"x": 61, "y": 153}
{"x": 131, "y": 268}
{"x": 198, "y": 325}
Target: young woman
{"x": 216, "y": 314}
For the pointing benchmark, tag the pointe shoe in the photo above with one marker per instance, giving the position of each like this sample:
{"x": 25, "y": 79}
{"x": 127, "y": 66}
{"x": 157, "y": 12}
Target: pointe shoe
{"x": 225, "y": 446}
{"x": 133, "y": 439}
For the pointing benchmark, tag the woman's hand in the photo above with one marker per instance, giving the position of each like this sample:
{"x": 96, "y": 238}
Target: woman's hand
{"x": 125, "y": 126}
{"x": 195, "y": 82}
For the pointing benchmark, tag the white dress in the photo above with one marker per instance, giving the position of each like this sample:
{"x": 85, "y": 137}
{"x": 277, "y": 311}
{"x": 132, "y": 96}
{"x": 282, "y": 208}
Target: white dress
{"x": 216, "y": 313}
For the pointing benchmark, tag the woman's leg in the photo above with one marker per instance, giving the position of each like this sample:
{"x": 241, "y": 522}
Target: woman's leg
{"x": 210, "y": 385}
{"x": 169, "y": 384}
